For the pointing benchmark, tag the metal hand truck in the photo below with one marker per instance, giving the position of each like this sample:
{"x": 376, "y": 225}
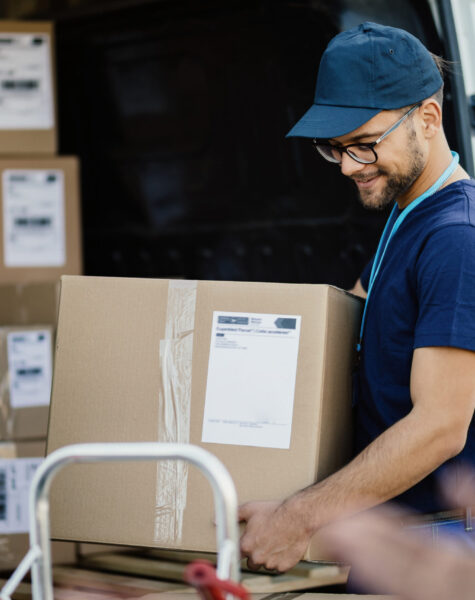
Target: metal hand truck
{"x": 209, "y": 584}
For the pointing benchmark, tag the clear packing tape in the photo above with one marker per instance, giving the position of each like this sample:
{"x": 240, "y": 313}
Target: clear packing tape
{"x": 176, "y": 354}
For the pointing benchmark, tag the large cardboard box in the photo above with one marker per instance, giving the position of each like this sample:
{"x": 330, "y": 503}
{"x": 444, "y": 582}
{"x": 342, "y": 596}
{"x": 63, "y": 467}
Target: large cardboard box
{"x": 26, "y": 370}
{"x": 40, "y": 225}
{"x": 27, "y": 88}
{"x": 18, "y": 462}
{"x": 256, "y": 373}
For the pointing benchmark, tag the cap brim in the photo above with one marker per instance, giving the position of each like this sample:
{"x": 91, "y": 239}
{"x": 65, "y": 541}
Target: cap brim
{"x": 324, "y": 122}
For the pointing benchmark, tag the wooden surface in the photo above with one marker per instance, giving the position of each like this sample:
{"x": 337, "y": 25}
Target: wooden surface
{"x": 169, "y": 567}
{"x": 93, "y": 586}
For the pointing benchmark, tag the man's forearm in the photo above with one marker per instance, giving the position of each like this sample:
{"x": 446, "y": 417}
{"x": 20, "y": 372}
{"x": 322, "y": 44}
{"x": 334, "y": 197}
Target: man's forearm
{"x": 277, "y": 534}
{"x": 391, "y": 464}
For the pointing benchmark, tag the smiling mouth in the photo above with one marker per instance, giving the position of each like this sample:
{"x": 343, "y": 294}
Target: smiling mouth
{"x": 366, "y": 182}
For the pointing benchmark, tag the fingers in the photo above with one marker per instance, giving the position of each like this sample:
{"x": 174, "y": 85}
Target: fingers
{"x": 247, "y": 510}
{"x": 373, "y": 545}
{"x": 252, "y": 565}
{"x": 458, "y": 486}
{"x": 269, "y": 539}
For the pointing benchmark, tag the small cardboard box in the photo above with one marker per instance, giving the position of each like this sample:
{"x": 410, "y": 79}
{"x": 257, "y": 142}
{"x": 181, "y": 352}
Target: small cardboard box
{"x": 26, "y": 370}
{"x": 18, "y": 462}
{"x": 256, "y": 373}
{"x": 40, "y": 225}
{"x": 27, "y": 88}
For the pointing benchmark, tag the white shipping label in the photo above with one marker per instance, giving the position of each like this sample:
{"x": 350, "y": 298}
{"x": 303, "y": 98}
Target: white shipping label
{"x": 251, "y": 379}
{"x": 26, "y": 89}
{"x": 15, "y": 479}
{"x": 30, "y": 368}
{"x": 33, "y": 218}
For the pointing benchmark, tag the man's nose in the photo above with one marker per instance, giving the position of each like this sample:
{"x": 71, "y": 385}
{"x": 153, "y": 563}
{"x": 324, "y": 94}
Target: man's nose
{"x": 349, "y": 166}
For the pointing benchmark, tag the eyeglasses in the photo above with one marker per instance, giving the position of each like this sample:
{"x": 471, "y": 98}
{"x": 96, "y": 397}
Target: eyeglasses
{"x": 362, "y": 153}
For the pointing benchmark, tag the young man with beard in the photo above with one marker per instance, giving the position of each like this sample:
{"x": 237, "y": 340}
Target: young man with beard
{"x": 377, "y": 114}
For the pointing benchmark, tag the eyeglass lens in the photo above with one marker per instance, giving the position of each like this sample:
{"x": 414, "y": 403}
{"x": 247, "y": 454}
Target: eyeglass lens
{"x": 360, "y": 153}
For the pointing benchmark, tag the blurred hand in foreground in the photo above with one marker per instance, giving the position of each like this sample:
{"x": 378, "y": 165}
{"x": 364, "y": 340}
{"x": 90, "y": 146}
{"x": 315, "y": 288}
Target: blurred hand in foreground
{"x": 384, "y": 556}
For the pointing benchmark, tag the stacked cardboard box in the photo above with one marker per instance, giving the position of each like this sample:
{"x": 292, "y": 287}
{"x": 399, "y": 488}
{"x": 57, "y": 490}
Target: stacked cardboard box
{"x": 25, "y": 381}
{"x": 39, "y": 191}
{"x": 258, "y": 374}
{"x": 39, "y": 241}
{"x": 18, "y": 462}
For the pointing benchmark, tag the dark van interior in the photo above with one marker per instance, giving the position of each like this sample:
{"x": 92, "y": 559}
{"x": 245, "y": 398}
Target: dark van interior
{"x": 178, "y": 111}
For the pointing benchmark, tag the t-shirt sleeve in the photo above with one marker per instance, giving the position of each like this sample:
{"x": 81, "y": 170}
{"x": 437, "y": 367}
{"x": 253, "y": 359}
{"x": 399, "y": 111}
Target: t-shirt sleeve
{"x": 446, "y": 289}
{"x": 365, "y": 275}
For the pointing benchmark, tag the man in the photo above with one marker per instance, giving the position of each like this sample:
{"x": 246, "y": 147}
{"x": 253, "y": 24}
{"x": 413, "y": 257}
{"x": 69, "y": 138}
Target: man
{"x": 377, "y": 114}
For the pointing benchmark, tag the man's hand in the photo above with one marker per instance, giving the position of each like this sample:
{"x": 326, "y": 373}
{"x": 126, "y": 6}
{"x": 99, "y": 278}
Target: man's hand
{"x": 275, "y": 536}
{"x": 443, "y": 394}
{"x": 384, "y": 557}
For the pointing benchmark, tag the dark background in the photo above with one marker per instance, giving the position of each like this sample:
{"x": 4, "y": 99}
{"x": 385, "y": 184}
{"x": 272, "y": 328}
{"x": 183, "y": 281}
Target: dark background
{"x": 178, "y": 111}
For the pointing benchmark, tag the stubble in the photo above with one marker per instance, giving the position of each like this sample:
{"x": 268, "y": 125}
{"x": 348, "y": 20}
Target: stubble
{"x": 397, "y": 184}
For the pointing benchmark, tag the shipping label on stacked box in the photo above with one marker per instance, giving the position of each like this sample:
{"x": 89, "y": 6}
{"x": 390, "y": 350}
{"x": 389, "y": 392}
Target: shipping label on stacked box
{"x": 27, "y": 88}
{"x": 39, "y": 219}
{"x": 26, "y": 356}
{"x": 15, "y": 479}
{"x": 33, "y": 218}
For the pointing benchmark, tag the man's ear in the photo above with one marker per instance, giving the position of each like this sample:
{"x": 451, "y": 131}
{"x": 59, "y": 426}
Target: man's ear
{"x": 431, "y": 118}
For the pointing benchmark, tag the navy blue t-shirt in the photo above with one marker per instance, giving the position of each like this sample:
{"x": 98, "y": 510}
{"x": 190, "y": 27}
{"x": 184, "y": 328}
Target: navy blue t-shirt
{"x": 423, "y": 296}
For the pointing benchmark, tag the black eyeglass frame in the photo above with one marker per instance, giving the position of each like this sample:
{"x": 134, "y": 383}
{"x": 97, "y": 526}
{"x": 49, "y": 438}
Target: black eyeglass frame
{"x": 369, "y": 146}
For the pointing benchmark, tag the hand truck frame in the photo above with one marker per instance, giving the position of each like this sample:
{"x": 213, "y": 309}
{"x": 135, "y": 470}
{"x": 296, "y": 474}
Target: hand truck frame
{"x": 38, "y": 558}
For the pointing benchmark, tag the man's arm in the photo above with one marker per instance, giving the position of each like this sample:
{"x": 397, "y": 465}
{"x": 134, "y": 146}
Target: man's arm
{"x": 443, "y": 395}
{"x": 358, "y": 290}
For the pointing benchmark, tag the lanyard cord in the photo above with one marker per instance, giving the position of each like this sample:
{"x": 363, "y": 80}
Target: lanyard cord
{"x": 393, "y": 224}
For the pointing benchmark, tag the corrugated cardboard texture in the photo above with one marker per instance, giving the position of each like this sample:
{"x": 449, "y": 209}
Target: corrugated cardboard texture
{"x": 19, "y": 423}
{"x": 31, "y": 141}
{"x": 70, "y": 167}
{"x": 106, "y": 388}
{"x": 14, "y": 547}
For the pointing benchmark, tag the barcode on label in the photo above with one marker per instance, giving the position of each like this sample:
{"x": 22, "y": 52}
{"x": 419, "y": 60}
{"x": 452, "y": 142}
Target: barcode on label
{"x": 3, "y": 495}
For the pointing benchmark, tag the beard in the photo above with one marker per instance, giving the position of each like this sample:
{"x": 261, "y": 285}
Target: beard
{"x": 396, "y": 184}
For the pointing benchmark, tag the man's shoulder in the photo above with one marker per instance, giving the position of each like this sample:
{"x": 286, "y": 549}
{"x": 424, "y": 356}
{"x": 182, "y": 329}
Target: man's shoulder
{"x": 454, "y": 205}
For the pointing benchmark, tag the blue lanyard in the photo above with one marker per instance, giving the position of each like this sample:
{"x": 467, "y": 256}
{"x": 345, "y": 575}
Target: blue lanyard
{"x": 393, "y": 224}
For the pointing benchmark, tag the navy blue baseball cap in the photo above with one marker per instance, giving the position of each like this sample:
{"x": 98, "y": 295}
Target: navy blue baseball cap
{"x": 363, "y": 71}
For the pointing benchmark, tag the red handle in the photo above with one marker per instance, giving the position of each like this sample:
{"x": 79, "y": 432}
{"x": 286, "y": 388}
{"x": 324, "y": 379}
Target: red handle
{"x": 201, "y": 575}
